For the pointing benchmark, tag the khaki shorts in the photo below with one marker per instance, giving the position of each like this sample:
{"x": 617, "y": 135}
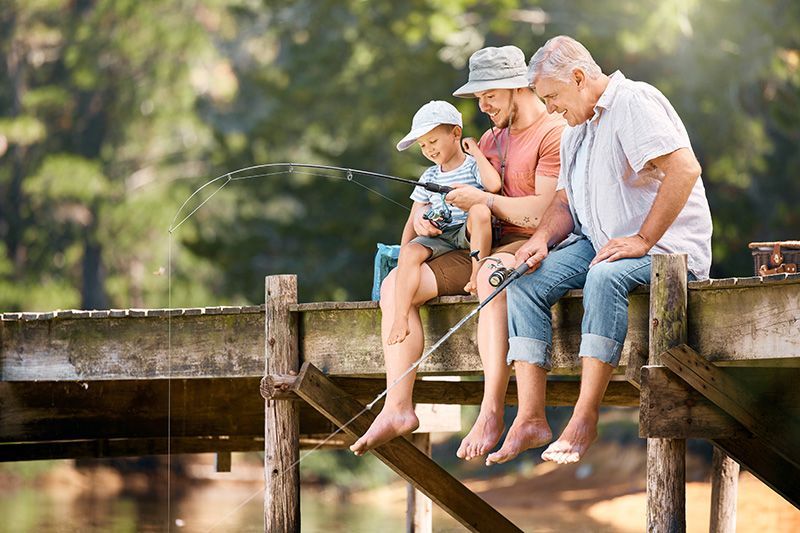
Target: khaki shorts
{"x": 453, "y": 269}
{"x": 454, "y": 238}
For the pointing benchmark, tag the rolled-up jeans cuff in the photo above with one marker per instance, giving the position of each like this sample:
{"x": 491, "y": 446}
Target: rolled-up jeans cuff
{"x": 529, "y": 350}
{"x": 601, "y": 348}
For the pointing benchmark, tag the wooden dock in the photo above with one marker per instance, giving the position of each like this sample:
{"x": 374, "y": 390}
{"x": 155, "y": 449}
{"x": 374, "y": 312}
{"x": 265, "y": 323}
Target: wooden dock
{"x": 99, "y": 383}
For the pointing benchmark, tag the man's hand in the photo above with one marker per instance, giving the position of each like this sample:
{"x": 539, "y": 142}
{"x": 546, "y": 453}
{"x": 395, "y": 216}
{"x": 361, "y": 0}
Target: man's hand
{"x": 532, "y": 252}
{"x": 465, "y": 196}
{"x": 424, "y": 227}
{"x": 634, "y": 246}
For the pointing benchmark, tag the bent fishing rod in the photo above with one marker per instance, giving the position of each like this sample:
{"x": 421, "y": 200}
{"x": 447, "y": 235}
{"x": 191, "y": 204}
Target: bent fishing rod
{"x": 243, "y": 174}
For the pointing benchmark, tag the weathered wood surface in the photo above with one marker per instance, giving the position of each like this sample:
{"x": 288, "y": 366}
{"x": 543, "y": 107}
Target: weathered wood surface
{"x": 137, "y": 409}
{"x": 419, "y": 508}
{"x": 775, "y": 471}
{"x": 738, "y": 321}
{"x": 282, "y": 419}
{"x": 559, "y": 393}
{"x": 402, "y": 456}
{"x": 666, "y": 458}
{"x": 779, "y": 430}
{"x": 724, "y": 489}
{"x": 672, "y": 409}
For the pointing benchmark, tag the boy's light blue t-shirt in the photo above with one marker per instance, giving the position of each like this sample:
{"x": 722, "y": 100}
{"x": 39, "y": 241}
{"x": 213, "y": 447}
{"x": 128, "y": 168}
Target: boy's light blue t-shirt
{"x": 467, "y": 174}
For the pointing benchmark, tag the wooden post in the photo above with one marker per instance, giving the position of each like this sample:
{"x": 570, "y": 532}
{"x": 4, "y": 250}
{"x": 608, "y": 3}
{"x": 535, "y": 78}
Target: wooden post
{"x": 282, "y": 418}
{"x": 419, "y": 511}
{"x": 724, "y": 484}
{"x": 666, "y": 458}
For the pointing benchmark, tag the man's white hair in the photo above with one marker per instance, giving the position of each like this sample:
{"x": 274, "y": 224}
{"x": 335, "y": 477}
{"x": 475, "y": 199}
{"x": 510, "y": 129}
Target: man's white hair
{"x": 559, "y": 57}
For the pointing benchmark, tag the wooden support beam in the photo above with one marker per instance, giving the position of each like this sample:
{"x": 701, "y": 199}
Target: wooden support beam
{"x": 559, "y": 393}
{"x": 768, "y": 466}
{"x": 282, "y": 419}
{"x": 402, "y": 457}
{"x": 666, "y": 458}
{"x": 138, "y": 409}
{"x": 776, "y": 430}
{"x": 671, "y": 409}
{"x": 724, "y": 487}
{"x": 419, "y": 508}
{"x": 104, "y": 448}
{"x": 222, "y": 461}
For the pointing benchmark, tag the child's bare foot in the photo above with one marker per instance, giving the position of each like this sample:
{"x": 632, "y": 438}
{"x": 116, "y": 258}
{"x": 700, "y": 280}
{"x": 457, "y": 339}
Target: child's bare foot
{"x": 387, "y": 425}
{"x": 472, "y": 286}
{"x": 399, "y": 330}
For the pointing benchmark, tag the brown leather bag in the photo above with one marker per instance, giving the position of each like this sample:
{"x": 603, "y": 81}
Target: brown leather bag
{"x": 779, "y": 257}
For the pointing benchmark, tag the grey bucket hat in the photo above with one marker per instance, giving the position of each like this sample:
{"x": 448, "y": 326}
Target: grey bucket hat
{"x": 495, "y": 68}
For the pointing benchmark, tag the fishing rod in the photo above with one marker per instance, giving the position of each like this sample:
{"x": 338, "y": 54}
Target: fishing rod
{"x": 242, "y": 174}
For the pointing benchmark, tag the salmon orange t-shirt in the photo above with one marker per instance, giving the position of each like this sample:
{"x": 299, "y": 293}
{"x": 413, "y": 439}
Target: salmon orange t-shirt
{"x": 529, "y": 153}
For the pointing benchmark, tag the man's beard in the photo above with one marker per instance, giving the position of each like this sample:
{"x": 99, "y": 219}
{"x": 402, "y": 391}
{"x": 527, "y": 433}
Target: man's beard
{"x": 509, "y": 119}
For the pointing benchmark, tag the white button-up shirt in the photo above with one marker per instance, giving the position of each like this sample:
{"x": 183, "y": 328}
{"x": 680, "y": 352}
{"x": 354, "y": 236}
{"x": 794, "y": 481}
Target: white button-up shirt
{"x": 633, "y": 124}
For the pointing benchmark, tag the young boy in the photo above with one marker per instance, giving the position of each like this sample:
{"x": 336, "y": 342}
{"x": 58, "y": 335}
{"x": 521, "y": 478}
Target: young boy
{"x": 436, "y": 128}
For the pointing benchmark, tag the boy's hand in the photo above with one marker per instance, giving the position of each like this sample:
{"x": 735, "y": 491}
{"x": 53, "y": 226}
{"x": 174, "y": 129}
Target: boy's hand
{"x": 424, "y": 227}
{"x": 470, "y": 146}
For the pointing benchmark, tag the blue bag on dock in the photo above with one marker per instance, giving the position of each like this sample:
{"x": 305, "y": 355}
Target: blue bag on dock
{"x": 385, "y": 261}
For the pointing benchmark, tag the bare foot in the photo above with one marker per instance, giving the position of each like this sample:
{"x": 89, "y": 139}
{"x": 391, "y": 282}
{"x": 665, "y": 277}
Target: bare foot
{"x": 523, "y": 435}
{"x": 579, "y": 434}
{"x": 399, "y": 330}
{"x": 472, "y": 286}
{"x": 483, "y": 436}
{"x": 387, "y": 425}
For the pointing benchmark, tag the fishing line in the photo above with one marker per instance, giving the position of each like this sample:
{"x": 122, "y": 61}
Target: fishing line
{"x": 290, "y": 168}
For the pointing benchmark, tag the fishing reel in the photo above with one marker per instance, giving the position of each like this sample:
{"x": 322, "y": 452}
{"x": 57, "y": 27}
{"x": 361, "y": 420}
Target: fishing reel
{"x": 439, "y": 217}
{"x": 500, "y": 272}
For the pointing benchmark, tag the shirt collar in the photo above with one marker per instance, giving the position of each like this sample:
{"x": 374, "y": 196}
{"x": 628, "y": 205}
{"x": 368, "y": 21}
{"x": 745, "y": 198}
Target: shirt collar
{"x": 607, "y": 98}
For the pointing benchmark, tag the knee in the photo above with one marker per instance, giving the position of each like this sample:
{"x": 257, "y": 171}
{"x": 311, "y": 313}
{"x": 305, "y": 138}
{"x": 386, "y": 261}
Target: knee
{"x": 387, "y": 290}
{"x": 480, "y": 214}
{"x": 413, "y": 254}
{"x": 601, "y": 277}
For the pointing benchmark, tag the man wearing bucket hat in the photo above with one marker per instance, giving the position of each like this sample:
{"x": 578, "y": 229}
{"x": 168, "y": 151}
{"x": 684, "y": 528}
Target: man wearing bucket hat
{"x": 523, "y": 146}
{"x": 629, "y": 186}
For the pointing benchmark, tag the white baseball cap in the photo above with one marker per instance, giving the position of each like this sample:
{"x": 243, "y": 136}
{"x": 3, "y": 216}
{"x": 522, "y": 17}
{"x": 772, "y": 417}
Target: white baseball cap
{"x": 432, "y": 114}
{"x": 495, "y": 68}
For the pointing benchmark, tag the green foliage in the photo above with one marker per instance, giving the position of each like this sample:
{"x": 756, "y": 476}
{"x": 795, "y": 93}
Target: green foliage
{"x": 113, "y": 112}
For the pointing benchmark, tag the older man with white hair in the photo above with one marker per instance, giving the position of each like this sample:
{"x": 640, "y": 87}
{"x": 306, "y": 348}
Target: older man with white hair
{"x": 629, "y": 186}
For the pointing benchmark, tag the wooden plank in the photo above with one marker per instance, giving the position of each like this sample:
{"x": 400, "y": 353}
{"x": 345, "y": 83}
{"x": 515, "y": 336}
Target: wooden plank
{"x": 670, "y": 409}
{"x": 359, "y": 353}
{"x": 282, "y": 419}
{"x": 224, "y": 345}
{"x": 777, "y": 430}
{"x": 63, "y": 410}
{"x": 402, "y": 457}
{"x": 731, "y": 323}
{"x": 559, "y": 393}
{"x": 775, "y": 471}
{"x": 666, "y": 458}
{"x": 103, "y": 448}
{"x": 750, "y": 323}
{"x": 724, "y": 488}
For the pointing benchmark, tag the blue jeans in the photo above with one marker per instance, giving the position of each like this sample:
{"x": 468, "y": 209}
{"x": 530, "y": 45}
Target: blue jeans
{"x": 605, "y": 304}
